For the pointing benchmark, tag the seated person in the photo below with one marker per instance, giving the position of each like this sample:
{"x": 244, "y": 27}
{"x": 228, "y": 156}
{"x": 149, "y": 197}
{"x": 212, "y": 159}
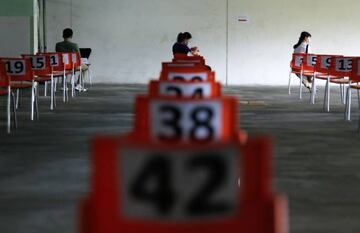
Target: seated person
{"x": 303, "y": 46}
{"x": 67, "y": 46}
{"x": 181, "y": 45}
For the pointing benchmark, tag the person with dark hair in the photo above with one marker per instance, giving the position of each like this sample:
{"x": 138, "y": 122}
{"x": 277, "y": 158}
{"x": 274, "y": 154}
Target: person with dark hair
{"x": 181, "y": 45}
{"x": 67, "y": 46}
{"x": 303, "y": 46}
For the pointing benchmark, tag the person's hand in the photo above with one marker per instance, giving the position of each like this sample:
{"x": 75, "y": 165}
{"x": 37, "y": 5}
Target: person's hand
{"x": 195, "y": 51}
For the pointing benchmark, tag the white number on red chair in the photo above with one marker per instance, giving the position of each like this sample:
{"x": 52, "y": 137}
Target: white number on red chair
{"x": 186, "y": 121}
{"x": 198, "y": 89}
{"x": 179, "y": 185}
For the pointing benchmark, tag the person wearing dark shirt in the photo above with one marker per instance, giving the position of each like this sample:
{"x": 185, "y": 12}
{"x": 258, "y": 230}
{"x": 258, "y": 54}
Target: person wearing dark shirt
{"x": 67, "y": 46}
{"x": 181, "y": 45}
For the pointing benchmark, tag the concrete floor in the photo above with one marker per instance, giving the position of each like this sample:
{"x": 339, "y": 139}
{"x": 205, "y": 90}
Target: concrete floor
{"x": 44, "y": 165}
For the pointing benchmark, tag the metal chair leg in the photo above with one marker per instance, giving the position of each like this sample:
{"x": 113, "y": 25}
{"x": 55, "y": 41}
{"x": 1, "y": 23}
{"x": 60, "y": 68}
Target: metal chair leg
{"x": 341, "y": 93}
{"x": 313, "y": 91}
{"x": 17, "y": 98}
{"x": 301, "y": 84}
{"x": 8, "y": 110}
{"x": 328, "y": 97}
{"x": 37, "y": 100}
{"x": 32, "y": 100}
{"x": 325, "y": 95}
{"x": 348, "y": 113}
{"x": 45, "y": 88}
{"x": 14, "y": 110}
{"x": 52, "y": 93}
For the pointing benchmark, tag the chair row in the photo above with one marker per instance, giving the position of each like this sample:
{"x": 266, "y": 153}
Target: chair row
{"x": 334, "y": 69}
{"x": 27, "y": 71}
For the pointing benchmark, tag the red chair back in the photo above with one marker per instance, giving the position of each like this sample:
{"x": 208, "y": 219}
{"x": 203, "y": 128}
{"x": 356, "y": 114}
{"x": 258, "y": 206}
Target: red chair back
{"x": 40, "y": 64}
{"x": 56, "y": 61}
{"x": 187, "y": 74}
{"x": 341, "y": 66}
{"x": 4, "y": 78}
{"x": 296, "y": 63}
{"x": 355, "y": 73}
{"x": 309, "y": 62}
{"x": 183, "y": 58}
{"x": 67, "y": 60}
{"x": 76, "y": 59}
{"x": 18, "y": 69}
{"x": 323, "y": 64}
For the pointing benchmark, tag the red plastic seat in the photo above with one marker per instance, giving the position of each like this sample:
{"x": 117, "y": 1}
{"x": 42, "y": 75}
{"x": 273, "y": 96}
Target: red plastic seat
{"x": 5, "y": 90}
{"x": 22, "y": 77}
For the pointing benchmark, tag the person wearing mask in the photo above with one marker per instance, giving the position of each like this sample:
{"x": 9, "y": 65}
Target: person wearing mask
{"x": 67, "y": 46}
{"x": 303, "y": 46}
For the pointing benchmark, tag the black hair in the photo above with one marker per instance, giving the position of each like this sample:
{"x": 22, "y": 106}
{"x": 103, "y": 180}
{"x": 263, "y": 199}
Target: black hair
{"x": 183, "y": 36}
{"x": 67, "y": 33}
{"x": 302, "y": 38}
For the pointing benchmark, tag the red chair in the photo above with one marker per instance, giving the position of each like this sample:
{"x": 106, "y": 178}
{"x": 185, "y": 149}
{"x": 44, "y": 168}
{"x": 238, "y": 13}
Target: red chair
{"x": 187, "y": 74}
{"x": 41, "y": 64}
{"x": 22, "y": 77}
{"x": 296, "y": 67}
{"x": 354, "y": 80}
{"x": 167, "y": 65}
{"x": 5, "y": 90}
{"x": 322, "y": 72}
{"x": 183, "y": 58}
{"x": 340, "y": 69}
{"x": 61, "y": 64}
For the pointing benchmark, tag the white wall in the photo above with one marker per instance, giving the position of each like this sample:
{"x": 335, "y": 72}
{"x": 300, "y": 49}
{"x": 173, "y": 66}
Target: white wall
{"x": 131, "y": 37}
{"x": 15, "y": 36}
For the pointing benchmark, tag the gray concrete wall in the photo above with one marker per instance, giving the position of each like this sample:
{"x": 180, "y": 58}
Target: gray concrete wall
{"x": 131, "y": 37}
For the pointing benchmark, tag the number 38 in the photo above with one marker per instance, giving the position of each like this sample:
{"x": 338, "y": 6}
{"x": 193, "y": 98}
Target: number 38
{"x": 186, "y": 121}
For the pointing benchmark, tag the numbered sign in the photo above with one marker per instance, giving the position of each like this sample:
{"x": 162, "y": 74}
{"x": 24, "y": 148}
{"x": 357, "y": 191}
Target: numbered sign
{"x": 187, "y": 74}
{"x": 143, "y": 187}
{"x": 181, "y": 184}
{"x": 297, "y": 61}
{"x": 54, "y": 60}
{"x": 343, "y": 64}
{"x": 76, "y": 59}
{"x": 186, "y": 120}
{"x": 323, "y": 66}
{"x": 185, "y": 89}
{"x": 15, "y": 67}
{"x": 66, "y": 58}
{"x": 38, "y": 62}
{"x": 310, "y": 62}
